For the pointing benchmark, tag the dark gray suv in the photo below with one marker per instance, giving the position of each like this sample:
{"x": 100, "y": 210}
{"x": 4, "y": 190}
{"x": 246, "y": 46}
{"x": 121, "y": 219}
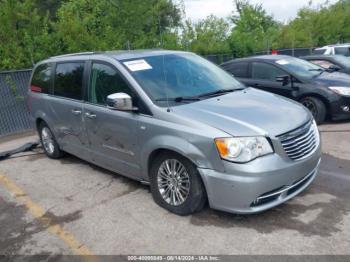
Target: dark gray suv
{"x": 179, "y": 123}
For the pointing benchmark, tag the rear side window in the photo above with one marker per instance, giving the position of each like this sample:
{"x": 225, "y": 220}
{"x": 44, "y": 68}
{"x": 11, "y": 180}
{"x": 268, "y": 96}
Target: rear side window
{"x": 265, "y": 71}
{"x": 69, "y": 80}
{"x": 319, "y": 51}
{"x": 41, "y": 80}
{"x": 238, "y": 69}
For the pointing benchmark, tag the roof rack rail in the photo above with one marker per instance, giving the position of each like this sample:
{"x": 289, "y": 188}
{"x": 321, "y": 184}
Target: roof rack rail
{"x": 76, "y": 54}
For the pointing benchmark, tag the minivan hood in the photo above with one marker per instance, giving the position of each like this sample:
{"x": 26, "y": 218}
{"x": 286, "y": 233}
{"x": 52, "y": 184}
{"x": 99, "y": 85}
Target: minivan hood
{"x": 333, "y": 79}
{"x": 247, "y": 112}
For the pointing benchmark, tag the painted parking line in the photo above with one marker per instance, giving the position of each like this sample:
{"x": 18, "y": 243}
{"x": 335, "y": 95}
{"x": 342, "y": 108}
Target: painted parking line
{"x": 39, "y": 213}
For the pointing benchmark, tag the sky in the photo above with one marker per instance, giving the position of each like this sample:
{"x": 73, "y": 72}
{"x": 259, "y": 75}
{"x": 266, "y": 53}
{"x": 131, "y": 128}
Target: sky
{"x": 282, "y": 10}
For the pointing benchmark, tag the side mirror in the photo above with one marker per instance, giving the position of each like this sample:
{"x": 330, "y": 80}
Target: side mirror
{"x": 120, "y": 101}
{"x": 285, "y": 79}
{"x": 333, "y": 68}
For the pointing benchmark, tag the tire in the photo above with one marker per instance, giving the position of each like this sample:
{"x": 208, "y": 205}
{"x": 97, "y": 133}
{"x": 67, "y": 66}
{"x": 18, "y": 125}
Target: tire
{"x": 316, "y": 107}
{"x": 193, "y": 199}
{"x": 48, "y": 142}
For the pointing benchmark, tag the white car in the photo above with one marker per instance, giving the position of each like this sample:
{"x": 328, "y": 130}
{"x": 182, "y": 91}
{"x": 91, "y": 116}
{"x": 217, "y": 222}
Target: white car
{"x": 340, "y": 49}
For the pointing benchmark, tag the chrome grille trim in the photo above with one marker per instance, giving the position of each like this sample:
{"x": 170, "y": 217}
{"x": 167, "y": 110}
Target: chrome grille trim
{"x": 301, "y": 142}
{"x": 287, "y": 188}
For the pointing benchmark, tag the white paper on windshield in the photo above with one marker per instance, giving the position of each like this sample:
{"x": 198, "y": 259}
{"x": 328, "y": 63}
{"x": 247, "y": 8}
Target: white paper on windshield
{"x": 282, "y": 62}
{"x": 137, "y": 65}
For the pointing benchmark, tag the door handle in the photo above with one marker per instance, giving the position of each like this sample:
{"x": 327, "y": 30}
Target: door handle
{"x": 76, "y": 112}
{"x": 90, "y": 115}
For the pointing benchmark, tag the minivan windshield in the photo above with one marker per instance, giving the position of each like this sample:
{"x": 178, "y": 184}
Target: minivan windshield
{"x": 299, "y": 67}
{"x": 180, "y": 77}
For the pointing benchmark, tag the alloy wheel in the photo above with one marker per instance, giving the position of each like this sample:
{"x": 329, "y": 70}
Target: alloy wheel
{"x": 173, "y": 182}
{"x": 47, "y": 140}
{"x": 311, "y": 106}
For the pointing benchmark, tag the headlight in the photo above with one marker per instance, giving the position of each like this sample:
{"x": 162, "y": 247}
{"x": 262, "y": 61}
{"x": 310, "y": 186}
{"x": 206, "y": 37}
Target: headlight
{"x": 344, "y": 91}
{"x": 243, "y": 149}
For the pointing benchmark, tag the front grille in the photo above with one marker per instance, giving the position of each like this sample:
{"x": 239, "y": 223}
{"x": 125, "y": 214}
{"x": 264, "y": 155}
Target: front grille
{"x": 302, "y": 142}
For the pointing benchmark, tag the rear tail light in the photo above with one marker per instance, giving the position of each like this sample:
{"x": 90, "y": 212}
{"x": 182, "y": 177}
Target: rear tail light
{"x": 35, "y": 89}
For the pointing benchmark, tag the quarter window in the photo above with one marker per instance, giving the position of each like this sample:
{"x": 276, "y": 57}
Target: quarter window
{"x": 69, "y": 80}
{"x": 105, "y": 80}
{"x": 265, "y": 71}
{"x": 41, "y": 80}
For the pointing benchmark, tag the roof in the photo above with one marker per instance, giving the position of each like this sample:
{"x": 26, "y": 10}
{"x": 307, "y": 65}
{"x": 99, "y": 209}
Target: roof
{"x": 119, "y": 55}
{"x": 335, "y": 45}
{"x": 261, "y": 57}
{"x": 319, "y": 56}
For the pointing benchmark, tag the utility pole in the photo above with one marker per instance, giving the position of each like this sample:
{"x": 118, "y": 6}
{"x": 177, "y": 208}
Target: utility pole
{"x": 160, "y": 31}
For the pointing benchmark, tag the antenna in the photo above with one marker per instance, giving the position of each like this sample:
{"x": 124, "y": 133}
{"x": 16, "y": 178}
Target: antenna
{"x": 165, "y": 79}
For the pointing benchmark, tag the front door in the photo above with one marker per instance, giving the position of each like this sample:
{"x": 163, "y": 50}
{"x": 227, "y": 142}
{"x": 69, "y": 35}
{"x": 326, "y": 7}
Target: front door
{"x": 264, "y": 78}
{"x": 112, "y": 134}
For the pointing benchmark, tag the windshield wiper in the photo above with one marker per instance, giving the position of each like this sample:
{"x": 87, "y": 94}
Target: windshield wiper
{"x": 318, "y": 70}
{"x": 197, "y": 98}
{"x": 219, "y": 92}
{"x": 179, "y": 99}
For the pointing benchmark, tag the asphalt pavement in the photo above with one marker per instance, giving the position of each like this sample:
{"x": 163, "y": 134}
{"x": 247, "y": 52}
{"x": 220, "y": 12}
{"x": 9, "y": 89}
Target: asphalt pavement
{"x": 69, "y": 206}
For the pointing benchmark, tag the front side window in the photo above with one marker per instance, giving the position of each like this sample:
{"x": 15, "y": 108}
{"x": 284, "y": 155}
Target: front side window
{"x": 69, "y": 80}
{"x": 299, "y": 67}
{"x": 104, "y": 81}
{"x": 41, "y": 80}
{"x": 265, "y": 71}
{"x": 170, "y": 76}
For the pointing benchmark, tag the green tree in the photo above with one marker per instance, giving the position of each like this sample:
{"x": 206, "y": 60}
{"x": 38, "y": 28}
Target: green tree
{"x": 112, "y": 24}
{"x": 253, "y": 29}
{"x": 326, "y": 24}
{"x": 24, "y": 34}
{"x": 207, "y": 36}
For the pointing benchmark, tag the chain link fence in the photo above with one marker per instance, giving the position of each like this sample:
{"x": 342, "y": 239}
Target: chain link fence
{"x": 14, "y": 114}
{"x": 219, "y": 58}
{"x": 297, "y": 52}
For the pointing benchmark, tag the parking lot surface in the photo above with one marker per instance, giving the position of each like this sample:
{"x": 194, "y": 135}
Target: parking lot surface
{"x": 69, "y": 206}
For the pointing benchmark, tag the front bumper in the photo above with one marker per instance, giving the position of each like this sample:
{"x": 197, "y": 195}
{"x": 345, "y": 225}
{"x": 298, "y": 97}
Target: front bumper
{"x": 339, "y": 108}
{"x": 259, "y": 185}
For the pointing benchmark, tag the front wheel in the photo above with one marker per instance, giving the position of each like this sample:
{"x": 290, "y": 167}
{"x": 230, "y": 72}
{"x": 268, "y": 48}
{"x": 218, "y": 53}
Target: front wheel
{"x": 176, "y": 184}
{"x": 316, "y": 107}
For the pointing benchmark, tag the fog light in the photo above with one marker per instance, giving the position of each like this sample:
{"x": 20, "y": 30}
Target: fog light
{"x": 345, "y": 108}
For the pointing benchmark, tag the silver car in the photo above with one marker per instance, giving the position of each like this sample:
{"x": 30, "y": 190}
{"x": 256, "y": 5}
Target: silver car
{"x": 179, "y": 123}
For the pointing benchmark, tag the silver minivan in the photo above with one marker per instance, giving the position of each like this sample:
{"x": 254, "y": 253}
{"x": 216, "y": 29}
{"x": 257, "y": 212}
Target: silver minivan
{"x": 179, "y": 123}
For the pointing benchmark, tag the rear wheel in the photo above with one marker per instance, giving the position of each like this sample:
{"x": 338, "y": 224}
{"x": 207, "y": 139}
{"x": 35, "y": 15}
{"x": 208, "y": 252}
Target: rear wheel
{"x": 48, "y": 142}
{"x": 176, "y": 184}
{"x": 316, "y": 107}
